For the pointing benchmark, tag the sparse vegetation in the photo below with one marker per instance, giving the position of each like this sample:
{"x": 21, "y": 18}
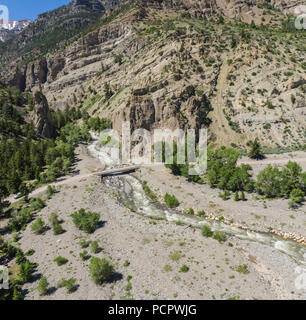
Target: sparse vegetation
{"x": 86, "y": 221}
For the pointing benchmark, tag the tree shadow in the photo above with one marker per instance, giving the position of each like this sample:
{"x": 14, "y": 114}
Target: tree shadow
{"x": 116, "y": 276}
{"x": 35, "y": 277}
{"x": 51, "y": 291}
{"x": 101, "y": 224}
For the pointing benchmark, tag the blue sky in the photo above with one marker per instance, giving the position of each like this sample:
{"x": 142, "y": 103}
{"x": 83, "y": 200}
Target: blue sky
{"x": 29, "y": 9}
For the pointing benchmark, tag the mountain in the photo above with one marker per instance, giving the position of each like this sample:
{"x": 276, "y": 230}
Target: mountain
{"x": 53, "y": 30}
{"x": 8, "y": 30}
{"x": 235, "y": 67}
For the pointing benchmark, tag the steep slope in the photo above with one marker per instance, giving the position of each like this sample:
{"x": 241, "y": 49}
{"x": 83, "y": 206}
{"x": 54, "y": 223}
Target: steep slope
{"x": 53, "y": 30}
{"x": 187, "y": 64}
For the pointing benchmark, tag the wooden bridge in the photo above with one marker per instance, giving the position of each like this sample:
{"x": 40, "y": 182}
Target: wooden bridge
{"x": 117, "y": 171}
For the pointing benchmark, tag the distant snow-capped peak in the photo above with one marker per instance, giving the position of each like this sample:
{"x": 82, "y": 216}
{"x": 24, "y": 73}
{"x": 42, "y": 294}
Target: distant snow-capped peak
{"x": 14, "y": 25}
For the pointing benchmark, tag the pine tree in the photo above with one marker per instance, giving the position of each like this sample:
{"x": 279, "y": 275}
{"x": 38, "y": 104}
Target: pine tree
{"x": 256, "y": 152}
{"x": 236, "y": 196}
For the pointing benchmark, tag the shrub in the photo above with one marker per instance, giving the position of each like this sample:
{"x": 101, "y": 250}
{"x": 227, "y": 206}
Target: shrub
{"x": 94, "y": 247}
{"x": 243, "y": 269}
{"x": 68, "y": 284}
{"x": 242, "y": 196}
{"x": 269, "y": 182}
{"x": 236, "y": 196}
{"x": 84, "y": 255}
{"x": 60, "y": 260}
{"x": 84, "y": 244}
{"x": 190, "y": 211}
{"x": 220, "y": 236}
{"x": 86, "y": 221}
{"x": 201, "y": 213}
{"x": 101, "y": 270}
{"x": 206, "y": 231}
{"x": 26, "y": 270}
{"x": 256, "y": 151}
{"x": 50, "y": 191}
{"x": 53, "y": 218}
{"x": 171, "y": 201}
{"x": 225, "y": 195}
{"x": 19, "y": 219}
{"x": 149, "y": 193}
{"x": 184, "y": 268}
{"x": 126, "y": 263}
{"x": 38, "y": 226}
{"x": 37, "y": 204}
{"x": 57, "y": 229}
{"x": 17, "y": 294}
{"x": 43, "y": 285}
{"x": 30, "y": 252}
{"x": 296, "y": 197}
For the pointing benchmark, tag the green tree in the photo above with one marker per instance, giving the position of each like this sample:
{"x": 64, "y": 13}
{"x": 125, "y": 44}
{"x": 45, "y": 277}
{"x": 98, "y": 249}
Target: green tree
{"x": 171, "y": 201}
{"x": 291, "y": 177}
{"x": 86, "y": 221}
{"x": 255, "y": 150}
{"x": 94, "y": 247}
{"x": 26, "y": 271}
{"x": 38, "y": 226}
{"x": 101, "y": 270}
{"x": 43, "y": 285}
{"x": 206, "y": 231}
{"x": 236, "y": 196}
{"x": 296, "y": 196}
{"x": 269, "y": 182}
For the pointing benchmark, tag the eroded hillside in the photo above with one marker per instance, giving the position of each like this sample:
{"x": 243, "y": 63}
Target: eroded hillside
{"x": 237, "y": 67}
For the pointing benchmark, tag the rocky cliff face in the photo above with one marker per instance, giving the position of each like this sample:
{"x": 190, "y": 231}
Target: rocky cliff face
{"x": 41, "y": 117}
{"x": 167, "y": 67}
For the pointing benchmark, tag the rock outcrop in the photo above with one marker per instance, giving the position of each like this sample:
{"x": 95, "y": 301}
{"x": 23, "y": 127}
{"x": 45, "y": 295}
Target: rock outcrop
{"x": 41, "y": 117}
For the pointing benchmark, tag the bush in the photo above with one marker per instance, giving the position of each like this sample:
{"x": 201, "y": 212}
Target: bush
{"x": 68, "y": 284}
{"x": 269, "y": 182}
{"x": 57, "y": 229}
{"x": 206, "y": 231}
{"x": 256, "y": 151}
{"x": 84, "y": 255}
{"x": 17, "y": 294}
{"x": 296, "y": 197}
{"x": 201, "y": 213}
{"x": 190, "y": 211}
{"x": 225, "y": 195}
{"x": 171, "y": 201}
{"x": 53, "y": 218}
{"x": 184, "y": 268}
{"x": 19, "y": 219}
{"x": 60, "y": 260}
{"x": 50, "y": 191}
{"x": 30, "y": 252}
{"x": 243, "y": 269}
{"x": 242, "y": 196}
{"x": 219, "y": 236}
{"x": 236, "y": 196}
{"x": 101, "y": 270}
{"x": 26, "y": 270}
{"x": 84, "y": 244}
{"x": 43, "y": 285}
{"x": 94, "y": 247}
{"x": 38, "y": 226}
{"x": 86, "y": 221}
{"x": 37, "y": 204}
